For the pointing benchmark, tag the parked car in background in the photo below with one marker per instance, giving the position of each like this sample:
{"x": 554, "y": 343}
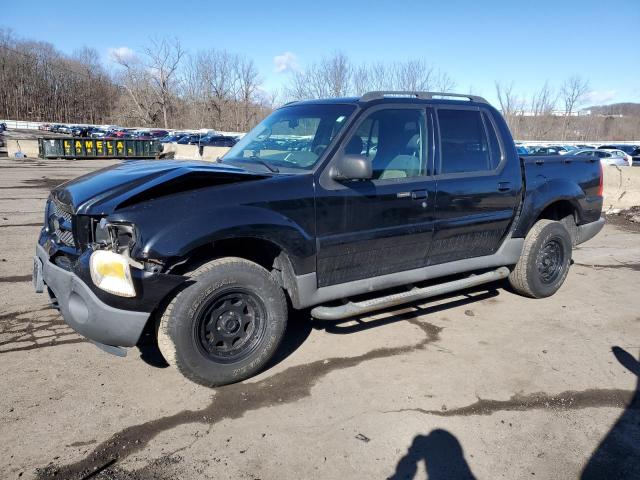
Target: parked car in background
{"x": 80, "y": 131}
{"x": 635, "y": 157}
{"x": 522, "y": 150}
{"x": 618, "y": 146}
{"x": 3, "y": 127}
{"x": 562, "y": 149}
{"x": 172, "y": 138}
{"x": 123, "y": 133}
{"x": 571, "y": 148}
{"x": 191, "y": 139}
{"x": 607, "y": 157}
{"x": 545, "y": 151}
{"x": 97, "y": 132}
{"x": 44, "y": 126}
{"x": 627, "y": 149}
{"x": 150, "y": 134}
{"x": 218, "y": 141}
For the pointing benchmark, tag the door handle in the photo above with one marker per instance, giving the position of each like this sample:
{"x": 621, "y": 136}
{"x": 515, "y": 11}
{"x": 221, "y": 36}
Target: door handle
{"x": 419, "y": 194}
{"x": 504, "y": 186}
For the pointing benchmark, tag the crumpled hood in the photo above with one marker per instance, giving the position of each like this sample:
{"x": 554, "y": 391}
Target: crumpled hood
{"x": 103, "y": 191}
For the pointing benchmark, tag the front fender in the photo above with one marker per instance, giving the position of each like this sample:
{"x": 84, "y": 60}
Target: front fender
{"x": 180, "y": 237}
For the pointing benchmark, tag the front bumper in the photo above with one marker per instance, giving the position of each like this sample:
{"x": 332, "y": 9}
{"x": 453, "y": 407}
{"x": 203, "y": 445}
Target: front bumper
{"x": 83, "y": 311}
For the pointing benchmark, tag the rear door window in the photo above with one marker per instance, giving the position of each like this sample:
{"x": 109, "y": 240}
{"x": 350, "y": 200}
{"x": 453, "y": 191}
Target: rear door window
{"x": 495, "y": 152}
{"x": 463, "y": 141}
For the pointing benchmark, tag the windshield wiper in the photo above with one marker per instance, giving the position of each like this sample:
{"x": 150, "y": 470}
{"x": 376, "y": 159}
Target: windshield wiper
{"x": 264, "y": 163}
{"x": 273, "y": 168}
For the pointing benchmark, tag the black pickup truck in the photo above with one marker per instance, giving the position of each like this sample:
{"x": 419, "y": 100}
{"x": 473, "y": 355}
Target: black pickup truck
{"x": 332, "y": 204}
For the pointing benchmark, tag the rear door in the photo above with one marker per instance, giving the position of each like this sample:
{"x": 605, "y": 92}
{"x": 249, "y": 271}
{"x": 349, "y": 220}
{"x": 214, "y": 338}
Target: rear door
{"x": 383, "y": 225}
{"x": 477, "y": 188}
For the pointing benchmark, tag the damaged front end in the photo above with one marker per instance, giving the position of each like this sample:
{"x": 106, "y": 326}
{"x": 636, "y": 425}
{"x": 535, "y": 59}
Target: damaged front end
{"x": 95, "y": 254}
{"x": 86, "y": 266}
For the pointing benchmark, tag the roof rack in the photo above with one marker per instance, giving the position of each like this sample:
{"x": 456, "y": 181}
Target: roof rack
{"x": 380, "y": 94}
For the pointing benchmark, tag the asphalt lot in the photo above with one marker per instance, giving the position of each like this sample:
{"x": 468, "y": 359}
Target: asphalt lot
{"x": 484, "y": 383}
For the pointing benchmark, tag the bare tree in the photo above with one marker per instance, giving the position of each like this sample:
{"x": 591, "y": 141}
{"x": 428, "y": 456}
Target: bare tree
{"x": 336, "y": 76}
{"x": 223, "y": 91}
{"x": 511, "y": 107}
{"x": 573, "y": 93}
{"x": 141, "y": 106}
{"x": 37, "y": 82}
{"x": 543, "y": 102}
{"x": 164, "y": 58}
{"x": 330, "y": 77}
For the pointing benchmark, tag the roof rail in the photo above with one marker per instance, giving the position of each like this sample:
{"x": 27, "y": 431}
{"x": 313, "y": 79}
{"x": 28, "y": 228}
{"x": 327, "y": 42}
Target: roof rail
{"x": 380, "y": 94}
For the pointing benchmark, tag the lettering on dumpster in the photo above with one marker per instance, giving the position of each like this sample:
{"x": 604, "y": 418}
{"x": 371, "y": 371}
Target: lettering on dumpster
{"x": 78, "y": 147}
{"x": 67, "y": 147}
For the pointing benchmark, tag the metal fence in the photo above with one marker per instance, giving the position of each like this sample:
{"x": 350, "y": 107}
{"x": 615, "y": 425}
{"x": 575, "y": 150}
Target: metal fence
{"x": 74, "y": 147}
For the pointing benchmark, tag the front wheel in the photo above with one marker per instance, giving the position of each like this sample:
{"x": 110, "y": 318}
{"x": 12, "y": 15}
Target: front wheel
{"x": 544, "y": 263}
{"x": 226, "y": 325}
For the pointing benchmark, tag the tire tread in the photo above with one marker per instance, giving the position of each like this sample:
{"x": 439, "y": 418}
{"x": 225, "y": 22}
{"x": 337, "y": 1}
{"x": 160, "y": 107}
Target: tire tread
{"x": 166, "y": 343}
{"x": 518, "y": 278}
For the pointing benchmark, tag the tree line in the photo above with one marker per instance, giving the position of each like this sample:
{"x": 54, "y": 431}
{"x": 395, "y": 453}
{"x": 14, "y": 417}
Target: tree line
{"x": 163, "y": 85}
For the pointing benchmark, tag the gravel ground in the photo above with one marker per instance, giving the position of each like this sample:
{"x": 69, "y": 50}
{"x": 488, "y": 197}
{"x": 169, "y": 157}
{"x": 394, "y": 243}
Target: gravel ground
{"x": 483, "y": 383}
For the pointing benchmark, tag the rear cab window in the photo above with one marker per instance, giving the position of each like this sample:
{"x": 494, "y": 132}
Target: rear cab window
{"x": 468, "y": 141}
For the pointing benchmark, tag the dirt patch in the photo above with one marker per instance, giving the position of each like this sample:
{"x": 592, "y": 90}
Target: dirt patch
{"x": 628, "y": 220}
{"x": 232, "y": 401}
{"x": 569, "y": 400}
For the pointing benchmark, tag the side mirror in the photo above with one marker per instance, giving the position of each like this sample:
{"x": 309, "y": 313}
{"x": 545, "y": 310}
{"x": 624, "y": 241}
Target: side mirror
{"x": 352, "y": 167}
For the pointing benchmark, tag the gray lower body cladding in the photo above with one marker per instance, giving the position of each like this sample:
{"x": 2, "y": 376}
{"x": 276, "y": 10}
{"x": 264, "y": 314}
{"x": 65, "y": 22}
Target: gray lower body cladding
{"x": 86, "y": 313}
{"x": 310, "y": 294}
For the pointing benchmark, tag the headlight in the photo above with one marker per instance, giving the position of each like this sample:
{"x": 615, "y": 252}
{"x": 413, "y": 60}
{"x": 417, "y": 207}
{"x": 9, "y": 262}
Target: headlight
{"x": 111, "y": 272}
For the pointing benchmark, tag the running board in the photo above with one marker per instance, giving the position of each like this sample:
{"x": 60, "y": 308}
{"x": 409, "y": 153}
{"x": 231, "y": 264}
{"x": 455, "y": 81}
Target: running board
{"x": 351, "y": 309}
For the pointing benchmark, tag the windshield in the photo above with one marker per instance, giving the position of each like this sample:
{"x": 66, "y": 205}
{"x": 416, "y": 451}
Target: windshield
{"x": 291, "y": 138}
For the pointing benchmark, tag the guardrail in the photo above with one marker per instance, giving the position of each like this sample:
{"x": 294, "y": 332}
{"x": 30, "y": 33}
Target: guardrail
{"x": 77, "y": 147}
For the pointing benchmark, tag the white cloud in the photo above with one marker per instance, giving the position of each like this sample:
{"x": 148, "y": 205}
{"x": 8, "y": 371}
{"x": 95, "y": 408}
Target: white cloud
{"x": 285, "y": 62}
{"x": 596, "y": 97}
{"x": 124, "y": 53}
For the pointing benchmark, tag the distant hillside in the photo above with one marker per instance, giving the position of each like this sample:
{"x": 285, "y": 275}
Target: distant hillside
{"x": 627, "y": 109}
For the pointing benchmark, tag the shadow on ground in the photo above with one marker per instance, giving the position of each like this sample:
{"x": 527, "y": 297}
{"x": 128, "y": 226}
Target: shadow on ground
{"x": 442, "y": 455}
{"x": 618, "y": 455}
{"x": 301, "y": 323}
{"x": 401, "y": 313}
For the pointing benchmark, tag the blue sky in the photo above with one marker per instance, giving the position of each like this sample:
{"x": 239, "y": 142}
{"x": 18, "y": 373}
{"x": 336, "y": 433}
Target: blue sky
{"x": 475, "y": 41}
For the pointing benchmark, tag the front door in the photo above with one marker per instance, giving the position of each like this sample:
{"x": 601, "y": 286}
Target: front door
{"x": 383, "y": 225}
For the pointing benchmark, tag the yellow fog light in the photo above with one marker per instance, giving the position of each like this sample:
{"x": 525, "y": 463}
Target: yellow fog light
{"x": 110, "y": 272}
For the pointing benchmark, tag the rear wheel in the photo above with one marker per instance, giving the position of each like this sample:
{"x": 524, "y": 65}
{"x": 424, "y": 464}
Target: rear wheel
{"x": 226, "y": 325}
{"x": 544, "y": 263}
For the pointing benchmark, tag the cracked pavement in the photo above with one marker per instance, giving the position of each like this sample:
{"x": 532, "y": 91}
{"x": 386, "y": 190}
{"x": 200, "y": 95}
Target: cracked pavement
{"x": 481, "y": 384}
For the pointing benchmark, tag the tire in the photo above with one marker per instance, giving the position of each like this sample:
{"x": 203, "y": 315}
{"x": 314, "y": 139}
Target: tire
{"x": 544, "y": 263}
{"x": 226, "y": 325}
{"x": 570, "y": 224}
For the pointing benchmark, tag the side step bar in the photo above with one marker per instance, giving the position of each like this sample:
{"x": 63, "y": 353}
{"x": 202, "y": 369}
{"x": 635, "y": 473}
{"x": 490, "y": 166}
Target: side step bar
{"x": 351, "y": 309}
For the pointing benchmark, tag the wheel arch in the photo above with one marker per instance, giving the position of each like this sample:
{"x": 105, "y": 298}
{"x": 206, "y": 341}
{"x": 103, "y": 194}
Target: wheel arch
{"x": 266, "y": 252}
{"x": 552, "y": 200}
